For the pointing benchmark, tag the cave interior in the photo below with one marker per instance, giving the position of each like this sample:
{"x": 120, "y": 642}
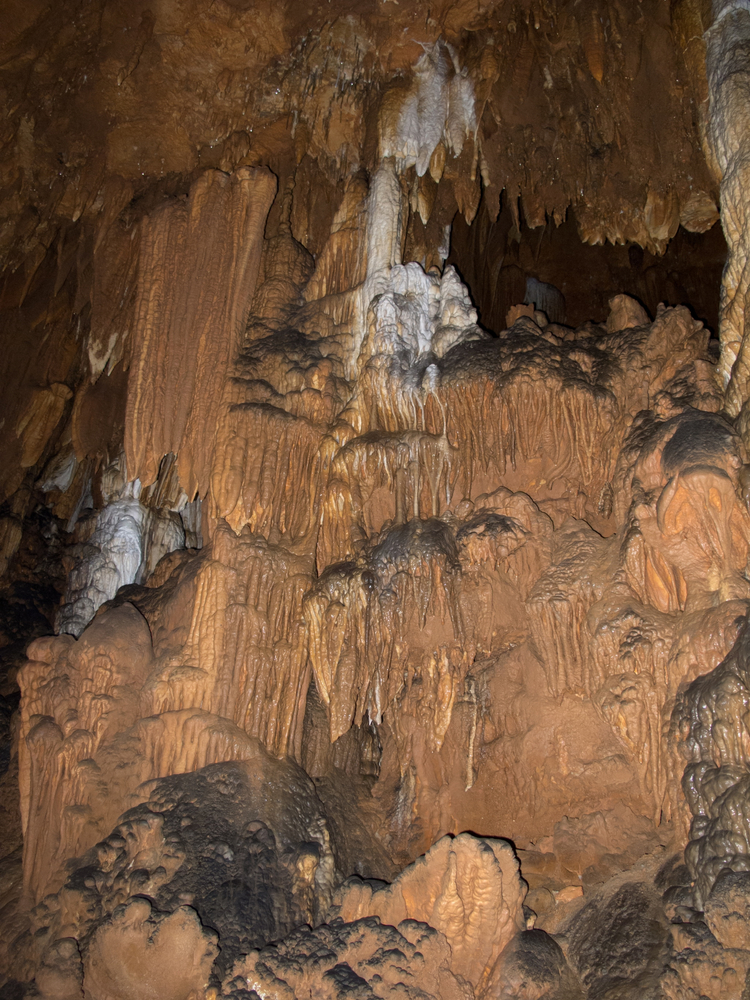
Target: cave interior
{"x": 374, "y": 500}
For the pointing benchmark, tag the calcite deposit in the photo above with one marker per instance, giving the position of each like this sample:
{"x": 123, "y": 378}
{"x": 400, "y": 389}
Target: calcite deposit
{"x": 375, "y": 481}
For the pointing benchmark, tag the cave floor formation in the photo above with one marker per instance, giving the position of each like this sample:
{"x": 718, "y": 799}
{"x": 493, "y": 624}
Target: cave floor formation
{"x": 374, "y": 501}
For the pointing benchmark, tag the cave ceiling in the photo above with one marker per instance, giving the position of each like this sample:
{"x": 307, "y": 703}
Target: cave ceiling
{"x": 589, "y": 105}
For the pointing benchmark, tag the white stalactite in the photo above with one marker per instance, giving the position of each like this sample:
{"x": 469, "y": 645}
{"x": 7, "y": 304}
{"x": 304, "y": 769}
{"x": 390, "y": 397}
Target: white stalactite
{"x": 127, "y": 542}
{"x": 439, "y": 107}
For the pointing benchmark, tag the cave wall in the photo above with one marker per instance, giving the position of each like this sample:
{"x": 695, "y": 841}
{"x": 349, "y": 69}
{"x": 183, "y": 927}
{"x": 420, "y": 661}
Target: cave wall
{"x": 374, "y": 620}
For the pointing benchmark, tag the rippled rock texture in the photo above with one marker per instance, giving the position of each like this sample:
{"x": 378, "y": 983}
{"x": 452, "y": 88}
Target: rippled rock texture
{"x": 367, "y": 645}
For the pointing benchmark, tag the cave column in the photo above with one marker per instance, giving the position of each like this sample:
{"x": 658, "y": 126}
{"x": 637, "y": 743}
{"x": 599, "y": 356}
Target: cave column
{"x": 728, "y": 71}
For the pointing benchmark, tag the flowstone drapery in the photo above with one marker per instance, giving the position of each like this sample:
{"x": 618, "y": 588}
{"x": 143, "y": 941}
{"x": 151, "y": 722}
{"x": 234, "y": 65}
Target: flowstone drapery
{"x": 394, "y": 655}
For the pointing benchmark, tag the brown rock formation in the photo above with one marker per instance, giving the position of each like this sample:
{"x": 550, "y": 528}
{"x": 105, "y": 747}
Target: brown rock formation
{"x": 467, "y": 889}
{"x": 351, "y": 578}
{"x": 173, "y": 955}
{"x": 197, "y": 269}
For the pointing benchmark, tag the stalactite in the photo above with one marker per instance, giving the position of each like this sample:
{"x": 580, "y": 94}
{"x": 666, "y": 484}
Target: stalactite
{"x": 198, "y": 265}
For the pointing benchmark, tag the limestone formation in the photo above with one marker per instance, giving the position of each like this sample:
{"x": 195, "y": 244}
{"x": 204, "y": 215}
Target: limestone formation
{"x": 467, "y": 889}
{"x": 198, "y": 264}
{"x": 172, "y": 955}
{"x": 363, "y": 958}
{"x": 725, "y": 63}
{"x": 375, "y": 480}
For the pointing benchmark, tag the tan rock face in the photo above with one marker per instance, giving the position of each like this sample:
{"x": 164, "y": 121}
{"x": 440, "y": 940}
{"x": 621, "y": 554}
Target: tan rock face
{"x": 348, "y": 583}
{"x": 205, "y": 255}
{"x": 173, "y": 956}
{"x": 467, "y": 889}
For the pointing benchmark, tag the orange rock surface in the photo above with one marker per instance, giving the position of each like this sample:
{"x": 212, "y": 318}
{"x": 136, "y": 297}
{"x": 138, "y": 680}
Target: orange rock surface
{"x": 373, "y": 618}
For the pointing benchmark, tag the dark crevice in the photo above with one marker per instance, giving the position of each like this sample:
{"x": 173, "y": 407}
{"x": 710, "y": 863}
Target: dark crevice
{"x": 500, "y": 261}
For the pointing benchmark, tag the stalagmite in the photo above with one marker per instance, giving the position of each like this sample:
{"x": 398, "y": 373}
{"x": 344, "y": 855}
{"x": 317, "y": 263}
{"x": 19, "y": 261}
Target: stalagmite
{"x": 466, "y": 888}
